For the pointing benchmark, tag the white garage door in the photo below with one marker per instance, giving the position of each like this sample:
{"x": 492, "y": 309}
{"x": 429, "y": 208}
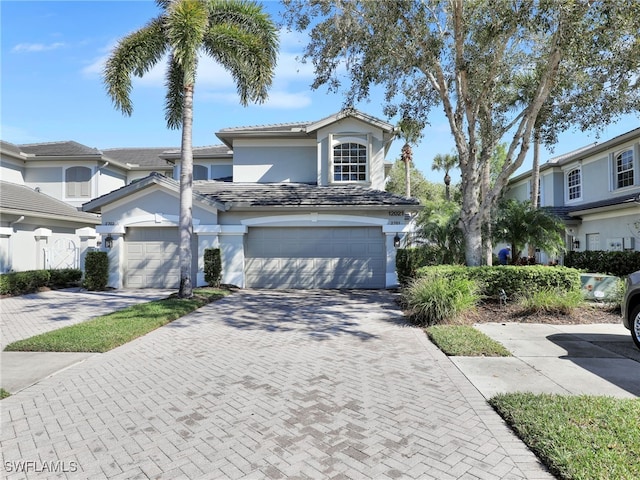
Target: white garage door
{"x": 315, "y": 257}
{"x": 152, "y": 258}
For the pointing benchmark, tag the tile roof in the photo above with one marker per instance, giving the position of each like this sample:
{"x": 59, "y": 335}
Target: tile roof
{"x": 299, "y": 195}
{"x": 627, "y": 199}
{"x": 23, "y": 200}
{"x": 143, "y": 157}
{"x": 58, "y": 149}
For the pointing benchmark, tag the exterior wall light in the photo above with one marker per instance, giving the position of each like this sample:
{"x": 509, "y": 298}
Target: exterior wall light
{"x": 576, "y": 244}
{"x": 108, "y": 242}
{"x": 396, "y": 241}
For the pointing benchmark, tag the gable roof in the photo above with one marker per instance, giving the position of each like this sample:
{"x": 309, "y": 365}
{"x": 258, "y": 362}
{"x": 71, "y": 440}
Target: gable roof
{"x": 299, "y": 129}
{"x": 153, "y": 179}
{"x": 59, "y": 149}
{"x": 22, "y": 200}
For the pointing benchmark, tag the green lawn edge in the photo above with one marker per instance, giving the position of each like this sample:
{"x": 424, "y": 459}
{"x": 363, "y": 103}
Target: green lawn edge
{"x": 577, "y": 437}
{"x": 465, "y": 341}
{"x": 112, "y": 330}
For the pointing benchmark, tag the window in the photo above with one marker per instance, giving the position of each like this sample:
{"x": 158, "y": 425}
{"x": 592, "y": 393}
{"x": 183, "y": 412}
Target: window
{"x": 350, "y": 163}
{"x": 200, "y": 172}
{"x": 78, "y": 182}
{"x": 574, "y": 184}
{"x": 624, "y": 169}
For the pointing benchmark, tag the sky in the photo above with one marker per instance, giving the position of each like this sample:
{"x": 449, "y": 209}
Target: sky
{"x": 51, "y": 89}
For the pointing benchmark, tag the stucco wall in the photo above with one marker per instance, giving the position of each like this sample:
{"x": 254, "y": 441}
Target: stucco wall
{"x": 272, "y": 162}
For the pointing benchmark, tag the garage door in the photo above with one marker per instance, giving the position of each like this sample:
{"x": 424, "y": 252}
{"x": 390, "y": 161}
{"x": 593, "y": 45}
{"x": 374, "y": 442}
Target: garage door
{"x": 315, "y": 257}
{"x": 152, "y": 258}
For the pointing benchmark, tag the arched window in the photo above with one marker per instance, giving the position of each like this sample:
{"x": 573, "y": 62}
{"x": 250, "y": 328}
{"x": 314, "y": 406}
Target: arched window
{"x": 574, "y": 184}
{"x": 200, "y": 172}
{"x": 77, "y": 182}
{"x": 624, "y": 169}
{"x": 350, "y": 163}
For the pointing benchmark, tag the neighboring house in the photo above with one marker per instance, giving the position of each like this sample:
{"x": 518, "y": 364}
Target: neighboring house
{"x": 38, "y": 231}
{"x": 296, "y": 205}
{"x": 595, "y": 190}
{"x": 43, "y": 187}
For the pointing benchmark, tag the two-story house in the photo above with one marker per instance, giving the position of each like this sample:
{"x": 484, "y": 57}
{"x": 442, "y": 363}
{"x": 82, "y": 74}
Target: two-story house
{"x": 596, "y": 190}
{"x": 295, "y": 205}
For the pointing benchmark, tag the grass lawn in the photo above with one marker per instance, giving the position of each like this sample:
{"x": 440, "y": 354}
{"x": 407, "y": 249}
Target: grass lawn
{"x": 114, "y": 329}
{"x": 464, "y": 340}
{"x": 577, "y": 437}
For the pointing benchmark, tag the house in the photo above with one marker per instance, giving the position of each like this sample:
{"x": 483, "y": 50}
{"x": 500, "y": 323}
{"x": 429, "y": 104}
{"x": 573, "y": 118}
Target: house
{"x": 595, "y": 190}
{"x": 293, "y": 205}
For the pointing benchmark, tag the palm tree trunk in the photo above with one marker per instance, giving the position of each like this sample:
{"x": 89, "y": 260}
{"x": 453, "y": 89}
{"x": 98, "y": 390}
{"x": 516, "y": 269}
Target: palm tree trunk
{"x": 185, "y": 227}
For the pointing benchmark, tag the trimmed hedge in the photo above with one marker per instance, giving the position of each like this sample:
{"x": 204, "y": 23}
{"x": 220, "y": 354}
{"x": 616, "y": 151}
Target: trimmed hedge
{"x": 96, "y": 271}
{"x": 514, "y": 280}
{"x": 409, "y": 260}
{"x": 619, "y": 264}
{"x": 212, "y": 267}
{"x": 20, "y": 283}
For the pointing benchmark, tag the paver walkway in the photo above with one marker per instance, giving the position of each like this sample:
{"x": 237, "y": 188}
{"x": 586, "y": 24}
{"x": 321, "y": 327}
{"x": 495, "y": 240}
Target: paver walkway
{"x": 36, "y": 313}
{"x": 266, "y": 384}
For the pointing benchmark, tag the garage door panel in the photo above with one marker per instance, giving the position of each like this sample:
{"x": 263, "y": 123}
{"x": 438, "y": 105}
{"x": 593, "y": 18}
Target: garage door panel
{"x": 152, "y": 259}
{"x": 315, "y": 257}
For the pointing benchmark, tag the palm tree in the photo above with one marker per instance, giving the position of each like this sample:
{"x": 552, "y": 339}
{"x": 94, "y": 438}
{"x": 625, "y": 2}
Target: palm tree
{"x": 411, "y": 132}
{"x": 235, "y": 33}
{"x": 446, "y": 163}
{"x": 519, "y": 223}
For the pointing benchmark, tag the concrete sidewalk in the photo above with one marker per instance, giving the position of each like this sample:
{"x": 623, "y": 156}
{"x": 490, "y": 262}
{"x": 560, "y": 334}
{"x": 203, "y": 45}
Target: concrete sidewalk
{"x": 592, "y": 359}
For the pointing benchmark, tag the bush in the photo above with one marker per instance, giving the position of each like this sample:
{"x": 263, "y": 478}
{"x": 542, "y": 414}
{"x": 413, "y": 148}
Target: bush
{"x": 514, "y": 280}
{"x": 96, "y": 271}
{"x": 549, "y": 300}
{"x": 65, "y": 277}
{"x": 434, "y": 299}
{"x": 212, "y": 267}
{"x": 409, "y": 260}
{"x": 19, "y": 283}
{"x": 619, "y": 264}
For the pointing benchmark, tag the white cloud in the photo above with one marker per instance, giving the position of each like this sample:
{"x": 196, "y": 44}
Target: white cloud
{"x": 36, "y": 47}
{"x": 277, "y": 99}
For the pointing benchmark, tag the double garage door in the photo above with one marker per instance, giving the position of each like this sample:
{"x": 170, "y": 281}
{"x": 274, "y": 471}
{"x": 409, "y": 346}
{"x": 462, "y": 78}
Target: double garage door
{"x": 152, "y": 258}
{"x": 315, "y": 257}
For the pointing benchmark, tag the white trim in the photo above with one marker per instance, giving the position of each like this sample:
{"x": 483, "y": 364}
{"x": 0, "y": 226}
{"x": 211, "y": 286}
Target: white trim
{"x": 42, "y": 232}
{"x": 233, "y": 229}
{"x": 207, "y": 229}
{"x": 111, "y": 229}
{"x": 313, "y": 217}
{"x": 6, "y": 231}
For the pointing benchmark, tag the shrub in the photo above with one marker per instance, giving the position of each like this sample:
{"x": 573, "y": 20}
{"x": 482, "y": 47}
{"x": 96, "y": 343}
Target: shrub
{"x": 19, "y": 283}
{"x": 65, "y": 277}
{"x": 549, "y": 300}
{"x": 96, "y": 271}
{"x": 434, "y": 299}
{"x": 212, "y": 267}
{"x": 618, "y": 264}
{"x": 409, "y": 260}
{"x": 514, "y": 280}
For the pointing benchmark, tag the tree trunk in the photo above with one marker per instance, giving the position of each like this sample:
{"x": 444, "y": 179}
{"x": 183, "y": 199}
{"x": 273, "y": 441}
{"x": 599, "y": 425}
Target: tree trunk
{"x": 487, "y": 241}
{"x": 535, "y": 180}
{"x": 406, "y": 158}
{"x": 185, "y": 227}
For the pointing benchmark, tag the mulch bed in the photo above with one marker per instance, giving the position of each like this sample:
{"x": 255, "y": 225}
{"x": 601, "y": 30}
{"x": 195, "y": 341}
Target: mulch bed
{"x": 496, "y": 313}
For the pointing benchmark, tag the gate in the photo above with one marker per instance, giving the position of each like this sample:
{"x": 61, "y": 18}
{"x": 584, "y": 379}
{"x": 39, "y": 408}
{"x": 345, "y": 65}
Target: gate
{"x": 62, "y": 254}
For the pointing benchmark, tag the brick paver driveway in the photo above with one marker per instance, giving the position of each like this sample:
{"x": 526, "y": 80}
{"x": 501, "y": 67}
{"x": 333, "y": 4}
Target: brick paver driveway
{"x": 265, "y": 384}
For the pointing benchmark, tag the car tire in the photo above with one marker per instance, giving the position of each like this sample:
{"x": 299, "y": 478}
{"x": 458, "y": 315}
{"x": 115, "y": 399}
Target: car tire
{"x": 634, "y": 324}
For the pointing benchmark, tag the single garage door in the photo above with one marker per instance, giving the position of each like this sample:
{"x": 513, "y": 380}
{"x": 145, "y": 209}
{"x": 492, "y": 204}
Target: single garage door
{"x": 152, "y": 258}
{"x": 315, "y": 257}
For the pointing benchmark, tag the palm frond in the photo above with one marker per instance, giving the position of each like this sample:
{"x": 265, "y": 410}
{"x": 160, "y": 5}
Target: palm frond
{"x": 135, "y": 54}
{"x": 175, "y": 94}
